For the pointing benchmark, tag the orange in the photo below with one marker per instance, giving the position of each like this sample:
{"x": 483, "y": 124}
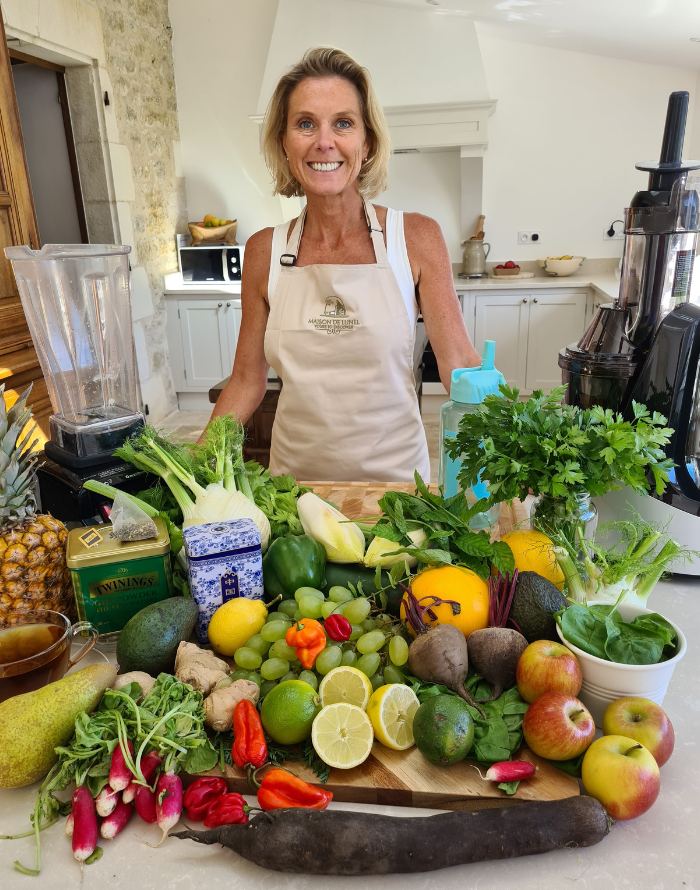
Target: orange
{"x": 533, "y": 551}
{"x": 459, "y": 584}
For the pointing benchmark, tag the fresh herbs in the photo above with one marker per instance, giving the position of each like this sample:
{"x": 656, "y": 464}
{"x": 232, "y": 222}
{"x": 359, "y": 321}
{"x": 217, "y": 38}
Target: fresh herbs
{"x": 558, "y": 450}
{"x": 277, "y": 498}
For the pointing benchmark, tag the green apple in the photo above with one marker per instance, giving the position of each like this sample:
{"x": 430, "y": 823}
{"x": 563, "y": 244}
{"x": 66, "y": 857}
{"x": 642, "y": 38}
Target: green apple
{"x": 645, "y": 722}
{"x": 622, "y": 775}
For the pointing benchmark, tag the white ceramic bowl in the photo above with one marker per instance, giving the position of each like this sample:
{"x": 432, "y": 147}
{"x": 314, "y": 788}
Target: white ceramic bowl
{"x": 606, "y": 681}
{"x": 561, "y": 268}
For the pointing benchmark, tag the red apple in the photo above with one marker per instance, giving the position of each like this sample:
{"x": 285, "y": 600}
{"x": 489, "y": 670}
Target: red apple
{"x": 510, "y": 264}
{"x": 645, "y": 722}
{"x": 622, "y": 775}
{"x": 558, "y": 726}
{"x": 500, "y": 266}
{"x": 547, "y": 667}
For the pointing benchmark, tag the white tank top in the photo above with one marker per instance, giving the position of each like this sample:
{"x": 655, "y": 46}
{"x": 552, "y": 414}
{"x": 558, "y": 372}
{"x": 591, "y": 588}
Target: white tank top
{"x": 396, "y": 254}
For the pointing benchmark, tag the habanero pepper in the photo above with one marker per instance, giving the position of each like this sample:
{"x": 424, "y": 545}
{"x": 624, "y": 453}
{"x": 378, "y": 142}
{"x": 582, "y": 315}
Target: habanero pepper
{"x": 249, "y": 746}
{"x": 308, "y": 638}
{"x": 200, "y": 795}
{"x": 337, "y": 627}
{"x": 228, "y": 809}
{"x": 280, "y": 790}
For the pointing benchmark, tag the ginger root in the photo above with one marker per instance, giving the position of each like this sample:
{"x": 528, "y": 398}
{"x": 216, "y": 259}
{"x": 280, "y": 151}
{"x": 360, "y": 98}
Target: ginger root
{"x": 199, "y": 667}
{"x": 145, "y": 681}
{"x": 218, "y": 708}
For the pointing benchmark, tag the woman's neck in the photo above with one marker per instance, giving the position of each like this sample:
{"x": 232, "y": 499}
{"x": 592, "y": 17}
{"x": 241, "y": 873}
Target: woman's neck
{"x": 332, "y": 219}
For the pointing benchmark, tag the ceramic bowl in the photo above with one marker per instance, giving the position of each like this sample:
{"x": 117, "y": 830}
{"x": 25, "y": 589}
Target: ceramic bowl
{"x": 606, "y": 681}
{"x": 561, "y": 268}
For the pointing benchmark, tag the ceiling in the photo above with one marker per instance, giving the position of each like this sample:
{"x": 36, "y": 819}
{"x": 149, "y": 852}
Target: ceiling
{"x": 656, "y": 31}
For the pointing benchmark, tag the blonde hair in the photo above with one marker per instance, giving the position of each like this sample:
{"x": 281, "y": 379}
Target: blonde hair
{"x": 325, "y": 61}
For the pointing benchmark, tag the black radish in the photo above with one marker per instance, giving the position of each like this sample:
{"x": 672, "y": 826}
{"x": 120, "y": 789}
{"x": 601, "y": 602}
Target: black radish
{"x": 338, "y": 842}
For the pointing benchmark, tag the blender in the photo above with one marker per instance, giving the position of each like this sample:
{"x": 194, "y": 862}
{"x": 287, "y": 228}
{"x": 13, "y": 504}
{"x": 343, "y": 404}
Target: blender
{"x": 76, "y": 299}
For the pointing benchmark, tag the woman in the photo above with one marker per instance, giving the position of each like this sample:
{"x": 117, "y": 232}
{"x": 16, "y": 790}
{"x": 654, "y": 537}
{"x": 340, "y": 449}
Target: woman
{"x": 331, "y": 300}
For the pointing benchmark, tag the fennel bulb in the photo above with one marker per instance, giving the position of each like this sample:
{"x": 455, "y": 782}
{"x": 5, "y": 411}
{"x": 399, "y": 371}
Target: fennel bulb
{"x": 342, "y": 539}
{"x": 378, "y": 547}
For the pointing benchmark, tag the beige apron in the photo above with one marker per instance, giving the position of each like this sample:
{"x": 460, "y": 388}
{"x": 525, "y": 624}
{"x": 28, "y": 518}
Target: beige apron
{"x": 341, "y": 341}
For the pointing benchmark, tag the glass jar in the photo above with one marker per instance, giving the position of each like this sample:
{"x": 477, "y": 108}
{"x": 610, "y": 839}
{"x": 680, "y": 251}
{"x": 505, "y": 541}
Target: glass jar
{"x": 553, "y": 517}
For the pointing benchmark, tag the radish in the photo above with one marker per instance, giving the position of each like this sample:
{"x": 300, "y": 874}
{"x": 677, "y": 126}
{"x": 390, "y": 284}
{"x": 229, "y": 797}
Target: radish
{"x": 119, "y": 773}
{"x": 69, "y": 824}
{"x": 116, "y": 821}
{"x": 149, "y": 764}
{"x": 106, "y": 801}
{"x": 168, "y": 803}
{"x": 508, "y": 771}
{"x": 84, "y": 824}
{"x": 145, "y": 803}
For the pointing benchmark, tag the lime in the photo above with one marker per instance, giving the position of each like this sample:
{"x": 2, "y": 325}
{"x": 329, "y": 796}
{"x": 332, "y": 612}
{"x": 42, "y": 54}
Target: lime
{"x": 443, "y": 729}
{"x": 289, "y": 710}
{"x": 234, "y": 623}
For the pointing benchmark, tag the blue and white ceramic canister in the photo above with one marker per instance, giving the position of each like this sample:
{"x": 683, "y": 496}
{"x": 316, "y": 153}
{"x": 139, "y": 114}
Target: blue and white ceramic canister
{"x": 224, "y": 562}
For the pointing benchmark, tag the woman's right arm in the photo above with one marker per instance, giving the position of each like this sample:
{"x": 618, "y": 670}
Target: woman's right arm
{"x": 248, "y": 383}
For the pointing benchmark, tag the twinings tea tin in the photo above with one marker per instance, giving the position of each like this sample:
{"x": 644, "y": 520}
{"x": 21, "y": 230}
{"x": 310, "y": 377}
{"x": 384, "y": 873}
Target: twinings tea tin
{"x": 113, "y": 579}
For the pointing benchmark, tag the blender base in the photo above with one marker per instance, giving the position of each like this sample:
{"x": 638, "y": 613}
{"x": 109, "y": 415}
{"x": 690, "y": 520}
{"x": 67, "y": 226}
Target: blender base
{"x": 67, "y": 459}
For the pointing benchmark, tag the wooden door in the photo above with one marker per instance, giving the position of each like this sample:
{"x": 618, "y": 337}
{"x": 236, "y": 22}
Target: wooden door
{"x": 19, "y": 364}
{"x": 504, "y": 318}
{"x": 556, "y": 320}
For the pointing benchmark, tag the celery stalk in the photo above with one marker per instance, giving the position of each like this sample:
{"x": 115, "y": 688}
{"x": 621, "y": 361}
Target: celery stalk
{"x": 109, "y": 492}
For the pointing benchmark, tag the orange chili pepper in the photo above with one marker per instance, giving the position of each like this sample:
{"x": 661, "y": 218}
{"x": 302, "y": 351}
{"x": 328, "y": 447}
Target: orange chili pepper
{"x": 308, "y": 638}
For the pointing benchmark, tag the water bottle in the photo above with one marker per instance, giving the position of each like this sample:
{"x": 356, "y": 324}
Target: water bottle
{"x": 468, "y": 388}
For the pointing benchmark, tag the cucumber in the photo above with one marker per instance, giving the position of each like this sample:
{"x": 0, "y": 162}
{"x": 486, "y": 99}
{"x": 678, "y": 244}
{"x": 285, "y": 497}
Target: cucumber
{"x": 340, "y": 574}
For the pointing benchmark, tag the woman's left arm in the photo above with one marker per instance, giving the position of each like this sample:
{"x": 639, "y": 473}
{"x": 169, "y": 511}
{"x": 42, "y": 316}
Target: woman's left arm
{"x": 437, "y": 298}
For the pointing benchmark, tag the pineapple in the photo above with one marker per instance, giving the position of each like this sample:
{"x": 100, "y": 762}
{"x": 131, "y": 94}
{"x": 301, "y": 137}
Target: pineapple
{"x": 33, "y": 571}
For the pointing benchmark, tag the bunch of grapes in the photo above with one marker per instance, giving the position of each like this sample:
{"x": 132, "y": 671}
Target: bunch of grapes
{"x": 376, "y": 647}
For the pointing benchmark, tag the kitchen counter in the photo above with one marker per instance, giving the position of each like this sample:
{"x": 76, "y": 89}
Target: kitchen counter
{"x": 603, "y": 285}
{"x": 173, "y": 284}
{"x": 658, "y": 850}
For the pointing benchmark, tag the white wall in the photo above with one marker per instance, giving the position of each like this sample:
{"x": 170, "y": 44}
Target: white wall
{"x": 563, "y": 143}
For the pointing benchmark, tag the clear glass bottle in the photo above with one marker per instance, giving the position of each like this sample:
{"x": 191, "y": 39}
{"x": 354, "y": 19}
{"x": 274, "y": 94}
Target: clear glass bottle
{"x": 552, "y": 516}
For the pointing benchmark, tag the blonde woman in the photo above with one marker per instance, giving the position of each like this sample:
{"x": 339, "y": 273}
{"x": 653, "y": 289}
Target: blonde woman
{"x": 331, "y": 300}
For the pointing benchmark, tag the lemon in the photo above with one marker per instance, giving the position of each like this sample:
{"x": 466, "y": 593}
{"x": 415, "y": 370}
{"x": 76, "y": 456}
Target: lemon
{"x": 288, "y": 711}
{"x": 533, "y": 551}
{"x": 391, "y": 710}
{"x": 342, "y": 735}
{"x": 345, "y": 684}
{"x": 234, "y": 623}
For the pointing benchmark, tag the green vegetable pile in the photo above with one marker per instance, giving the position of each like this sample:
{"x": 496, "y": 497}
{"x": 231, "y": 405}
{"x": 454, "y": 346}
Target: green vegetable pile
{"x": 277, "y": 498}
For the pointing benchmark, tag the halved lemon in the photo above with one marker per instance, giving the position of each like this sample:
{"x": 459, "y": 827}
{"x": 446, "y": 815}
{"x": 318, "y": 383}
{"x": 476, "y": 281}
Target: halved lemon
{"x": 342, "y": 735}
{"x": 345, "y": 684}
{"x": 391, "y": 710}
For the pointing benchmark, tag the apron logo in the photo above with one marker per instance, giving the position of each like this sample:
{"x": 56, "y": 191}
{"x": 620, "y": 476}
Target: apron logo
{"x": 334, "y": 318}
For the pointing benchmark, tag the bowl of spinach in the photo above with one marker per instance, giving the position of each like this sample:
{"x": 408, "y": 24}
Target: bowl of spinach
{"x": 623, "y": 650}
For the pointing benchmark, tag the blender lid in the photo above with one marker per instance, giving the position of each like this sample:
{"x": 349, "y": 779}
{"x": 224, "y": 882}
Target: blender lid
{"x": 65, "y": 251}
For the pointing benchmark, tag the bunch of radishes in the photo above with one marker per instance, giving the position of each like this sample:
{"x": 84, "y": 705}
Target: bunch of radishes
{"x": 118, "y": 799}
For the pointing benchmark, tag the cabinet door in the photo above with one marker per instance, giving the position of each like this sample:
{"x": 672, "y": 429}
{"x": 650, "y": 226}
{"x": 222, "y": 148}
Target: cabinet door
{"x": 205, "y": 343}
{"x": 232, "y": 314}
{"x": 555, "y": 321}
{"x": 504, "y": 318}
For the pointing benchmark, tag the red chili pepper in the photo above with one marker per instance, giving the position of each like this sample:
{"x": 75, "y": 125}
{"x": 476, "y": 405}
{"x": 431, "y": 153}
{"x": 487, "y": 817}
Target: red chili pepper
{"x": 228, "y": 809}
{"x": 201, "y": 794}
{"x": 280, "y": 790}
{"x": 249, "y": 746}
{"x": 337, "y": 627}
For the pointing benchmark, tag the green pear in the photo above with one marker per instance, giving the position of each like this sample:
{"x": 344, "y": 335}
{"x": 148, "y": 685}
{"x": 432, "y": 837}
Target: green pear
{"x": 33, "y": 724}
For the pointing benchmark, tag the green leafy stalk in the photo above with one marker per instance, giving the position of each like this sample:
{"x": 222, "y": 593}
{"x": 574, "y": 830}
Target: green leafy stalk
{"x": 108, "y": 491}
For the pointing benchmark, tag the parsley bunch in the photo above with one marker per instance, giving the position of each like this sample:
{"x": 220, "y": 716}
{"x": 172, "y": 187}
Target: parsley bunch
{"x": 558, "y": 450}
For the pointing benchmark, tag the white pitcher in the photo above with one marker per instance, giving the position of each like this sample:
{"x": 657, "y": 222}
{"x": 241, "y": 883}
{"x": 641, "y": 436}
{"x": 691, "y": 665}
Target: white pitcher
{"x": 475, "y": 253}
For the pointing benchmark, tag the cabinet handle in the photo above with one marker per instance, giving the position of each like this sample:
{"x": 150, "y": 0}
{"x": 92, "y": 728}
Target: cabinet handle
{"x": 535, "y": 300}
{"x": 219, "y": 305}
{"x": 524, "y": 300}
{"x": 227, "y": 305}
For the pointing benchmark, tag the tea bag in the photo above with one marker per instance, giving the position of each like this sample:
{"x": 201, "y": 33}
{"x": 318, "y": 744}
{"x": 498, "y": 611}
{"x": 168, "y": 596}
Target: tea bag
{"x": 129, "y": 522}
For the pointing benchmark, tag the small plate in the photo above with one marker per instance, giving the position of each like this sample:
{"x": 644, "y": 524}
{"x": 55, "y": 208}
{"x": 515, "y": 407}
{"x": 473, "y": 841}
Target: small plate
{"x": 94, "y": 656}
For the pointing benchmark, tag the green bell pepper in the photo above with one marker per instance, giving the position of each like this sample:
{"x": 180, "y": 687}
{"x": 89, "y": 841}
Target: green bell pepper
{"x": 292, "y": 562}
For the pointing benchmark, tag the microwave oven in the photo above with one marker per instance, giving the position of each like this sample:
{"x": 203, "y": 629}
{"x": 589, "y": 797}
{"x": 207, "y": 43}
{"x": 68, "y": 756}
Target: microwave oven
{"x": 211, "y": 263}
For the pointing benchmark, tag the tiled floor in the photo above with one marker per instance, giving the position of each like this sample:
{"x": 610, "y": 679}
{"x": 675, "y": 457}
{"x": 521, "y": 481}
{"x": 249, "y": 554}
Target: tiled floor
{"x": 187, "y": 426}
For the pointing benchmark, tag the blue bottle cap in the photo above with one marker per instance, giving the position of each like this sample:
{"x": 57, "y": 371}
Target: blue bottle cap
{"x": 471, "y": 385}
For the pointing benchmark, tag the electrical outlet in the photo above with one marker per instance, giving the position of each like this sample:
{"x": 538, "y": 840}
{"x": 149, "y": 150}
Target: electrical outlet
{"x": 616, "y": 236}
{"x": 529, "y": 237}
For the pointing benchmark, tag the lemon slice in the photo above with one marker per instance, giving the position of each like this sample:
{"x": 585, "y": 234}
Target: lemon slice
{"x": 345, "y": 684}
{"x": 342, "y": 735}
{"x": 391, "y": 710}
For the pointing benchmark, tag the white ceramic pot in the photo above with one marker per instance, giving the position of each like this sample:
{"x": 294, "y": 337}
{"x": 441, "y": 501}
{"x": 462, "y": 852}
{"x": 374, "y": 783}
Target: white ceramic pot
{"x": 606, "y": 681}
{"x": 560, "y": 268}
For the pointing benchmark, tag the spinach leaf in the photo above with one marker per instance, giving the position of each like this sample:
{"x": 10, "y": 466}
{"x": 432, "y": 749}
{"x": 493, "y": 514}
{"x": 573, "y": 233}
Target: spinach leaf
{"x": 631, "y": 644}
{"x": 584, "y": 629}
{"x": 509, "y": 787}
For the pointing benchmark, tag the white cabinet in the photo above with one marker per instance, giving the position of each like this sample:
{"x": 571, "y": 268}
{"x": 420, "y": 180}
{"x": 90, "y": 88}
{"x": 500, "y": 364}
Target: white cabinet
{"x": 555, "y": 321}
{"x": 202, "y": 336}
{"x": 504, "y": 318}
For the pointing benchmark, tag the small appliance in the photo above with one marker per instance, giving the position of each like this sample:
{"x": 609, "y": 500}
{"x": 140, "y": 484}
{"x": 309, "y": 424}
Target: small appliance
{"x": 210, "y": 262}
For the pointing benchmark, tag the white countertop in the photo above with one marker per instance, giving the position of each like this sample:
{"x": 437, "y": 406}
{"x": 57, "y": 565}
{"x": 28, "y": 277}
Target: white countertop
{"x": 604, "y": 285}
{"x": 173, "y": 285}
{"x": 658, "y": 850}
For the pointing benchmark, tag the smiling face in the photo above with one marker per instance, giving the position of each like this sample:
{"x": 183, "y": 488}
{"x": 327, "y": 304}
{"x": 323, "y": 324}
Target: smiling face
{"x": 325, "y": 139}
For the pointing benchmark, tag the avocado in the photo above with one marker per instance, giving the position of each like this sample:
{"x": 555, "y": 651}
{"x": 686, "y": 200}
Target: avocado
{"x": 535, "y": 601}
{"x": 443, "y": 729}
{"x": 150, "y": 638}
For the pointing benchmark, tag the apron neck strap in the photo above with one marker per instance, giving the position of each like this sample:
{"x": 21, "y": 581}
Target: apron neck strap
{"x": 289, "y": 257}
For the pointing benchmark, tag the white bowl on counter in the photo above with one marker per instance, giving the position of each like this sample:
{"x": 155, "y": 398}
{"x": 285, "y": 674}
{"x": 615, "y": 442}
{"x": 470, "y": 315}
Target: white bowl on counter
{"x": 560, "y": 268}
{"x": 606, "y": 681}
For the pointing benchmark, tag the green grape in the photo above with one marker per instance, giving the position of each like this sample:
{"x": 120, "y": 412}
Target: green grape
{"x": 356, "y": 631}
{"x": 392, "y": 674}
{"x": 383, "y": 619}
{"x": 298, "y": 615}
{"x": 370, "y": 642}
{"x": 239, "y": 675}
{"x": 274, "y": 668}
{"x": 255, "y": 678}
{"x": 349, "y": 658}
{"x": 357, "y": 610}
{"x": 369, "y": 624}
{"x": 398, "y": 650}
{"x": 310, "y": 606}
{"x": 376, "y": 680}
{"x": 266, "y": 687}
{"x": 308, "y": 591}
{"x": 310, "y": 678}
{"x": 281, "y": 650}
{"x": 328, "y": 659}
{"x": 287, "y": 608}
{"x": 290, "y": 675}
{"x": 247, "y": 658}
{"x": 259, "y": 644}
{"x": 273, "y": 616}
{"x": 294, "y": 663}
{"x": 368, "y": 664}
{"x": 339, "y": 594}
{"x": 330, "y": 608}
{"x": 275, "y": 630}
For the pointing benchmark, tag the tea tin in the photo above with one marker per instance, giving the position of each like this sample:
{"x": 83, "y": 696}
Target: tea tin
{"x": 224, "y": 562}
{"x": 113, "y": 579}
